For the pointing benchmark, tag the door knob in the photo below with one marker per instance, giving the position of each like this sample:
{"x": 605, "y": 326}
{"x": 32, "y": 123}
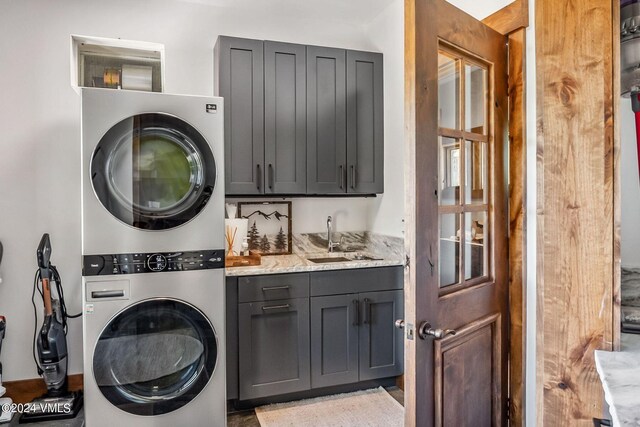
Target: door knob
{"x": 399, "y": 324}
{"x": 426, "y": 330}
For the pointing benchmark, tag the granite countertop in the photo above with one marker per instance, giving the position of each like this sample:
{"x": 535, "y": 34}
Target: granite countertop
{"x": 388, "y": 251}
{"x": 620, "y": 375}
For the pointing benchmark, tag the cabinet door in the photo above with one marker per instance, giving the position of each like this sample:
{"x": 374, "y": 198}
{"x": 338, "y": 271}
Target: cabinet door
{"x": 365, "y": 123}
{"x": 285, "y": 115}
{"x": 274, "y": 347}
{"x": 240, "y": 79}
{"x": 334, "y": 340}
{"x": 326, "y": 121}
{"x": 381, "y": 346}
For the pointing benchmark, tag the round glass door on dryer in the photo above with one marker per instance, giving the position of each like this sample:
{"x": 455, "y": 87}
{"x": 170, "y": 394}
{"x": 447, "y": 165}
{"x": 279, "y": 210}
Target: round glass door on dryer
{"x": 153, "y": 171}
{"x": 155, "y": 356}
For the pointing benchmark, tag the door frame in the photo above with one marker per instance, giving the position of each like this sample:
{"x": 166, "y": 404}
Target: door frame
{"x": 512, "y": 21}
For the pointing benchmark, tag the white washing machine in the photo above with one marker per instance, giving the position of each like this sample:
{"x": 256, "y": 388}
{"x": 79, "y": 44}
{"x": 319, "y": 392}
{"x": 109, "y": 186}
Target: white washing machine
{"x": 154, "y": 348}
{"x": 153, "y": 259}
{"x": 152, "y": 172}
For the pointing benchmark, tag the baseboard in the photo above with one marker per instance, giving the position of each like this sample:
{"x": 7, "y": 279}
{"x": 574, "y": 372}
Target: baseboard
{"x": 24, "y": 391}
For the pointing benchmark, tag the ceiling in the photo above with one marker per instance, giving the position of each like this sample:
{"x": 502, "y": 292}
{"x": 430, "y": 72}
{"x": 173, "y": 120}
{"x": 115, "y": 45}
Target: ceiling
{"x": 358, "y": 12}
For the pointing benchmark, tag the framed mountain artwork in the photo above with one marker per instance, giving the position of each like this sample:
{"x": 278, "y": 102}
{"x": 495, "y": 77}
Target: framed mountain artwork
{"x": 269, "y": 226}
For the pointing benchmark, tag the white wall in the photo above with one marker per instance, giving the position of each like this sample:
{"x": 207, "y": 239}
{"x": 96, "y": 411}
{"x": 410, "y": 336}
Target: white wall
{"x": 386, "y": 33}
{"x": 39, "y": 129}
{"x": 630, "y": 188}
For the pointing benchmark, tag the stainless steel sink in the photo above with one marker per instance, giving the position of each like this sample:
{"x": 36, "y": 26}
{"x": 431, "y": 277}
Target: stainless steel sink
{"x": 329, "y": 259}
{"x": 356, "y": 257}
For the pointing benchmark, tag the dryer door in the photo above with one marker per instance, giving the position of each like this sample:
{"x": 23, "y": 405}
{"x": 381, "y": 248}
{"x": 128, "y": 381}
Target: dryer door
{"x": 155, "y": 356}
{"x": 153, "y": 171}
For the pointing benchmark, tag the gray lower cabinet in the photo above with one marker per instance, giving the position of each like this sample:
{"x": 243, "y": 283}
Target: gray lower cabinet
{"x": 240, "y": 81}
{"x": 334, "y": 340}
{"x": 365, "y": 123}
{"x": 285, "y": 118}
{"x": 353, "y": 337}
{"x": 326, "y": 121}
{"x": 301, "y": 331}
{"x": 381, "y": 344}
{"x": 273, "y": 347}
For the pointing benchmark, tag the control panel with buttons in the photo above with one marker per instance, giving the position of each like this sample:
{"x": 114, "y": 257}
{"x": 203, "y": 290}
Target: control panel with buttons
{"x": 136, "y": 263}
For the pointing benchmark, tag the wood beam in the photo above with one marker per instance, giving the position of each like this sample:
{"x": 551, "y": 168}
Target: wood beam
{"x": 576, "y": 255}
{"x": 510, "y": 18}
{"x": 517, "y": 221}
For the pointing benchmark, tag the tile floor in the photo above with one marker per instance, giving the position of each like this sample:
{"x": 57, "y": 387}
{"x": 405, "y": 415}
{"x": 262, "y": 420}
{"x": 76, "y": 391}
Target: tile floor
{"x": 249, "y": 419}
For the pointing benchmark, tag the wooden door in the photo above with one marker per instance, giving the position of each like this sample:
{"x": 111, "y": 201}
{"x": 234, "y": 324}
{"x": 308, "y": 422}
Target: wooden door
{"x": 326, "y": 121}
{"x": 365, "y": 123}
{"x": 239, "y": 79}
{"x": 285, "y": 118}
{"x": 334, "y": 340}
{"x": 457, "y": 296}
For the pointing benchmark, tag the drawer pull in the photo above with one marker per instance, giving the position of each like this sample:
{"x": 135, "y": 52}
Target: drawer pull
{"x": 275, "y": 288}
{"x": 276, "y": 307}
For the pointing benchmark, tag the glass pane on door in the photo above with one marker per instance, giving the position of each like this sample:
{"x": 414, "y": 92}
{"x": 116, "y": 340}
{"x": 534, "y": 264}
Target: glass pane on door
{"x": 448, "y": 92}
{"x": 475, "y": 172}
{"x": 449, "y": 249}
{"x": 475, "y": 247}
{"x": 449, "y": 171}
{"x": 475, "y": 78}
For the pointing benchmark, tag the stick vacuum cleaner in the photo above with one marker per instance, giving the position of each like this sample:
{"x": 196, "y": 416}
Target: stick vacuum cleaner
{"x": 51, "y": 346}
{"x": 5, "y": 416}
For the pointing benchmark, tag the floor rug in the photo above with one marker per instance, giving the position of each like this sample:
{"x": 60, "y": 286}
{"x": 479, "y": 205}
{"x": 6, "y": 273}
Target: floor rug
{"x": 372, "y": 408}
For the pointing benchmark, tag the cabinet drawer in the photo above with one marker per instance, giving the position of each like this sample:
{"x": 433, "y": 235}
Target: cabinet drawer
{"x": 340, "y": 282}
{"x": 273, "y": 287}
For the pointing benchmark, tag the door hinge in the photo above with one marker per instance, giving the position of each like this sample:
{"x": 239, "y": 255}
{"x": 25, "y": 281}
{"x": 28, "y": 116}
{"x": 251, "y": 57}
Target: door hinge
{"x": 508, "y": 408}
{"x": 407, "y": 261}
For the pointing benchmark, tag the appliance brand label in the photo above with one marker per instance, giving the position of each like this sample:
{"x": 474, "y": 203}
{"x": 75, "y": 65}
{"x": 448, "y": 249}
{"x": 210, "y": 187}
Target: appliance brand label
{"x": 212, "y": 108}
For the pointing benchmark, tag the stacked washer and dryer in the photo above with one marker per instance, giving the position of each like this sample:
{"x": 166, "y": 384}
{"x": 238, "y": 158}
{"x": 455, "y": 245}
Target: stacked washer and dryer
{"x": 153, "y": 259}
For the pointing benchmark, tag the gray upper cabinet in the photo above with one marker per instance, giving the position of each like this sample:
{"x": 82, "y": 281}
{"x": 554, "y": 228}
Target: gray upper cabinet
{"x": 300, "y": 119}
{"x": 326, "y": 120}
{"x": 381, "y": 345}
{"x": 240, "y": 81}
{"x": 365, "y": 122}
{"x": 285, "y": 118}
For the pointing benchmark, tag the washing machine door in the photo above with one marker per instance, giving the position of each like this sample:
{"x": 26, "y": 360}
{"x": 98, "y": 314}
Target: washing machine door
{"x": 153, "y": 171}
{"x": 155, "y": 357}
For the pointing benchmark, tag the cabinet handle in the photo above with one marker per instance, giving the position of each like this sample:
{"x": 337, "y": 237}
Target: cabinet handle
{"x": 276, "y": 307}
{"x": 353, "y": 177}
{"x": 270, "y": 176}
{"x": 367, "y": 311}
{"x": 275, "y": 288}
{"x": 258, "y": 177}
{"x": 356, "y": 312}
{"x": 341, "y": 177}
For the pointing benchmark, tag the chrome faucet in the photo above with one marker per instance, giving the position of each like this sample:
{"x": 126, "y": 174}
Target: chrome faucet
{"x": 331, "y": 244}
